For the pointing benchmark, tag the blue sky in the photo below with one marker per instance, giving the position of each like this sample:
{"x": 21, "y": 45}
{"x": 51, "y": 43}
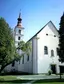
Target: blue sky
{"x": 35, "y": 13}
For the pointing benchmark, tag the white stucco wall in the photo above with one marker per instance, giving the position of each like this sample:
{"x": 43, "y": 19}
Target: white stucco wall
{"x": 41, "y": 63}
{"x": 44, "y": 61}
{"x": 10, "y": 68}
{"x": 27, "y": 66}
{"x": 34, "y": 54}
{"x": 17, "y": 34}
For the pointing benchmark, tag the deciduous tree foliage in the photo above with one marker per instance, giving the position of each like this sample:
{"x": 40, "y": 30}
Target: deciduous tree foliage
{"x": 61, "y": 39}
{"x": 7, "y": 48}
{"x": 25, "y": 47}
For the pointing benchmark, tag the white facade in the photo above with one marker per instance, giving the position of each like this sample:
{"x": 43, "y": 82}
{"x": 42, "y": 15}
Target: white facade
{"x": 46, "y": 38}
{"x": 18, "y": 35}
{"x": 39, "y": 61}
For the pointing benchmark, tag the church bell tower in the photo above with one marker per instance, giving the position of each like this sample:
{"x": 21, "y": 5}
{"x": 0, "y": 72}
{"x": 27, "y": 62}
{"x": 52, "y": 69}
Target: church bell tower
{"x": 18, "y": 31}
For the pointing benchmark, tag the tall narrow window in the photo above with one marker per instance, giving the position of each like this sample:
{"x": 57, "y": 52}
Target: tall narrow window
{"x": 52, "y": 53}
{"x": 13, "y": 63}
{"x": 23, "y": 60}
{"x": 19, "y": 38}
{"x": 19, "y": 31}
{"x": 57, "y": 50}
{"x": 28, "y": 58}
{"x": 19, "y": 61}
{"x": 45, "y": 50}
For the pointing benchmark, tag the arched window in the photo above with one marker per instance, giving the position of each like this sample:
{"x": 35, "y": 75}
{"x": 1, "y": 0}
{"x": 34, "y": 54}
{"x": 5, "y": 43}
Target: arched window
{"x": 13, "y": 63}
{"x": 57, "y": 49}
{"x": 52, "y": 53}
{"x": 23, "y": 59}
{"x": 19, "y": 61}
{"x": 19, "y": 31}
{"x": 19, "y": 38}
{"x": 28, "y": 58}
{"x": 45, "y": 50}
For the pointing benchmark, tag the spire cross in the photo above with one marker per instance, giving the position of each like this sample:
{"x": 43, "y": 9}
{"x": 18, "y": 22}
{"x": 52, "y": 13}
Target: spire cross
{"x": 20, "y": 14}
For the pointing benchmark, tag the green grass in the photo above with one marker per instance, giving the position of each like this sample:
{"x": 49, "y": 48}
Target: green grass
{"x": 49, "y": 81}
{"x": 11, "y": 80}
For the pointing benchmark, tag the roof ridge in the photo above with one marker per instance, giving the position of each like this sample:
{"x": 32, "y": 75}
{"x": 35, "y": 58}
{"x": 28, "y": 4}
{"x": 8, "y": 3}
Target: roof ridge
{"x": 41, "y": 29}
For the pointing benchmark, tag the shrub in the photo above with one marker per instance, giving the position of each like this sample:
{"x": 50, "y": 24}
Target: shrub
{"x": 49, "y": 72}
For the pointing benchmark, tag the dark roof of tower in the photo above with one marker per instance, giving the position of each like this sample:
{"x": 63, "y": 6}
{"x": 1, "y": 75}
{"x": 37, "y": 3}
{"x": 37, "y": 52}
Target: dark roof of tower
{"x": 19, "y": 25}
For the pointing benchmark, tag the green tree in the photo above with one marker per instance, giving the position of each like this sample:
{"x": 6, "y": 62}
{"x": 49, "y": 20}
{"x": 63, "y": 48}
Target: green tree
{"x": 25, "y": 47}
{"x": 7, "y": 48}
{"x": 61, "y": 39}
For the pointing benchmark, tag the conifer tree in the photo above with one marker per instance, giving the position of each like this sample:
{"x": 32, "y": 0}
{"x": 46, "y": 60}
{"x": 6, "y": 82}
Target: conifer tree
{"x": 61, "y": 39}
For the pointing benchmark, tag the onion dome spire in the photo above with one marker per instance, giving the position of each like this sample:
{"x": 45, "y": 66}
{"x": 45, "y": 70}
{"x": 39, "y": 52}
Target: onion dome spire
{"x": 19, "y": 21}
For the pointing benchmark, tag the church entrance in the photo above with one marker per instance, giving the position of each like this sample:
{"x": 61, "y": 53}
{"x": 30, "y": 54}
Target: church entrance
{"x": 53, "y": 68}
{"x": 61, "y": 69}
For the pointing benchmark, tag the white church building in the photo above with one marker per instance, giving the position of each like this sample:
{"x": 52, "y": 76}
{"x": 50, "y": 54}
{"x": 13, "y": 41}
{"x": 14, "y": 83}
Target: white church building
{"x": 44, "y": 55}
